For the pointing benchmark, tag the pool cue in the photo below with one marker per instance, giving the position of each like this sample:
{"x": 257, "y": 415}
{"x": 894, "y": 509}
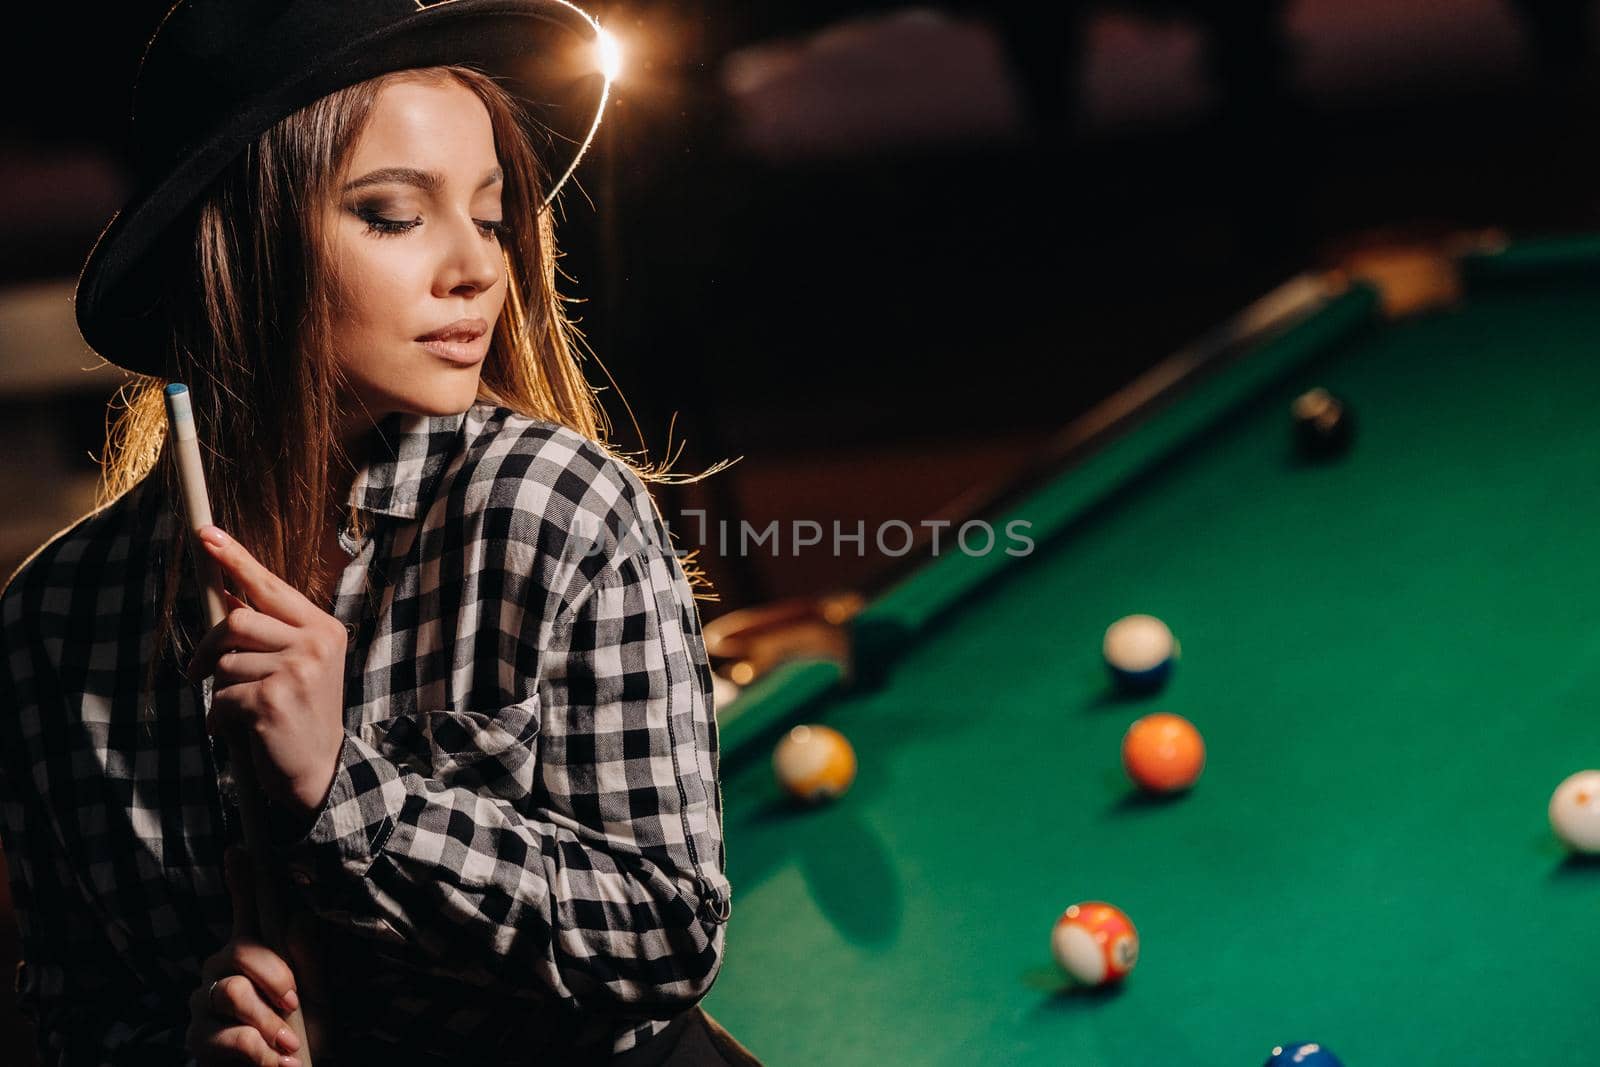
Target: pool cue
{"x": 252, "y": 808}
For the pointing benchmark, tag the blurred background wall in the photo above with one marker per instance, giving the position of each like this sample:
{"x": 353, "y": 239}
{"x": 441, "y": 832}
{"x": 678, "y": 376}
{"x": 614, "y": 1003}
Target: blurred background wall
{"x": 881, "y": 252}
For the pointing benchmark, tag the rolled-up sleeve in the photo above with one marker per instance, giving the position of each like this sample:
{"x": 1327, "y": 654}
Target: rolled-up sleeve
{"x": 569, "y": 842}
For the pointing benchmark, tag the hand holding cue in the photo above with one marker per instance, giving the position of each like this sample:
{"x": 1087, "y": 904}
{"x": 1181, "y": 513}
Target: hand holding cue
{"x": 252, "y": 809}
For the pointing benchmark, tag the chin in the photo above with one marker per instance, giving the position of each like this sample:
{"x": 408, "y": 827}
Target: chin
{"x": 449, "y": 400}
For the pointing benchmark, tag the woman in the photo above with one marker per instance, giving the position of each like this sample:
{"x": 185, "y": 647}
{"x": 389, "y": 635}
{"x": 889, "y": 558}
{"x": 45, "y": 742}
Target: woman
{"x": 460, "y": 642}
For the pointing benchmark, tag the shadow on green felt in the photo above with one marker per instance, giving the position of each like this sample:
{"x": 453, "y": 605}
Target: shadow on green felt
{"x": 1128, "y": 799}
{"x": 1296, "y": 462}
{"x": 1109, "y": 696}
{"x": 846, "y": 869}
{"x": 1064, "y": 995}
{"x": 1135, "y": 800}
{"x": 1577, "y": 867}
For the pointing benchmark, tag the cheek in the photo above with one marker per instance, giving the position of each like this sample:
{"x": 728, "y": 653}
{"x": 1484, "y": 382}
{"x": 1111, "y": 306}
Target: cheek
{"x": 375, "y": 285}
{"x": 381, "y": 282}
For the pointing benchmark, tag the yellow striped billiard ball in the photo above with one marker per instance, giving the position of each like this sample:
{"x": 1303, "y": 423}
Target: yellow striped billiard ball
{"x": 814, "y": 763}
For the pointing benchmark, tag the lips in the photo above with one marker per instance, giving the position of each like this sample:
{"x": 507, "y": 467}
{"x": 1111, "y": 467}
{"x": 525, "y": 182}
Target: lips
{"x": 460, "y": 330}
{"x": 462, "y": 342}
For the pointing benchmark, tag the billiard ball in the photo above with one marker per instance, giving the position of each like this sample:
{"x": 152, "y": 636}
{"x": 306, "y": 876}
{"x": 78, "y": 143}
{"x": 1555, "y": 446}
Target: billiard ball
{"x": 814, "y": 763}
{"x": 1163, "y": 753}
{"x": 1575, "y": 811}
{"x": 1140, "y": 651}
{"x": 1095, "y": 943}
{"x": 1324, "y": 425}
{"x": 1302, "y": 1054}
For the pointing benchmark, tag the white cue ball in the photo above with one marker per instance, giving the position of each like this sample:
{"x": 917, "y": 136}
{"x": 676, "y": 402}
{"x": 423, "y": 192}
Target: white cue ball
{"x": 1575, "y": 811}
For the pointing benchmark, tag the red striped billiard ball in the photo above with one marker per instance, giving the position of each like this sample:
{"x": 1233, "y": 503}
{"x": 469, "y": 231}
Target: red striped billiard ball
{"x": 1095, "y": 943}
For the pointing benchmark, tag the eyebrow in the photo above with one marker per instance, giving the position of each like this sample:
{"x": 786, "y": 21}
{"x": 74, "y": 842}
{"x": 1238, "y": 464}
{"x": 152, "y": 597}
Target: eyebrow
{"x": 426, "y": 180}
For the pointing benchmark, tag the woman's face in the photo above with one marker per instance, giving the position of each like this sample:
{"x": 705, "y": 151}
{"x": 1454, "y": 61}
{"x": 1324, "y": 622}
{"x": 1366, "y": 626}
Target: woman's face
{"x": 416, "y": 249}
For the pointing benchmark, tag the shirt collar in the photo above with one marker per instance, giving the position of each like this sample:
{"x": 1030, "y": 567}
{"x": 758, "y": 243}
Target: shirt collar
{"x": 408, "y": 454}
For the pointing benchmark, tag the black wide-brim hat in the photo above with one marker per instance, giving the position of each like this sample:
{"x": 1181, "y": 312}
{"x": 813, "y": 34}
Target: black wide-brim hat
{"x": 219, "y": 73}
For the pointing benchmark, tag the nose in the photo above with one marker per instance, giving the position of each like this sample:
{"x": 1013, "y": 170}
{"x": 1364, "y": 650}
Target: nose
{"x": 471, "y": 261}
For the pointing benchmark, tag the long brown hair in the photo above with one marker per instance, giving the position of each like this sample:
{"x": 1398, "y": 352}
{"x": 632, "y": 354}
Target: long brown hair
{"x": 251, "y": 309}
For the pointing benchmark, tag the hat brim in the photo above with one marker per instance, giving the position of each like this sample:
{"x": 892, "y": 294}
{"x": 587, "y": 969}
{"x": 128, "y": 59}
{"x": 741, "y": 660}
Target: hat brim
{"x": 541, "y": 51}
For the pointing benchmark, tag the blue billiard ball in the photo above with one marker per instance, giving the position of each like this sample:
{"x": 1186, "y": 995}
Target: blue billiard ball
{"x": 1139, "y": 650}
{"x": 1302, "y": 1054}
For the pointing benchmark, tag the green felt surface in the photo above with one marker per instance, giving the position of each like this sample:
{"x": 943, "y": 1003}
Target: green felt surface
{"x": 1393, "y": 660}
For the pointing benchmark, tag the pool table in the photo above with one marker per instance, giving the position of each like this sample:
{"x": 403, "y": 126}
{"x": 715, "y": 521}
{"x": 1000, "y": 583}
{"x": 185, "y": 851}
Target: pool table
{"x": 1393, "y": 658}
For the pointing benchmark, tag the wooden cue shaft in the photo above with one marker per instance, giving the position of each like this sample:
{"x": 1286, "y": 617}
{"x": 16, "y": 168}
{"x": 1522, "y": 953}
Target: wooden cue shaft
{"x": 252, "y": 807}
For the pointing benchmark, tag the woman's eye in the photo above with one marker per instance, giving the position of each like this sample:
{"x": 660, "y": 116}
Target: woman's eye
{"x": 376, "y": 223}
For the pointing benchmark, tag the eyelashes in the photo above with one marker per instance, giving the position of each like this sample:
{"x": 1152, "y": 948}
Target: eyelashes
{"x": 495, "y": 227}
{"x": 380, "y": 226}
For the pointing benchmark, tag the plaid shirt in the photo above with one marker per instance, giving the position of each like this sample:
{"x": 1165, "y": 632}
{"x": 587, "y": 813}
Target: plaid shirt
{"x": 520, "y": 858}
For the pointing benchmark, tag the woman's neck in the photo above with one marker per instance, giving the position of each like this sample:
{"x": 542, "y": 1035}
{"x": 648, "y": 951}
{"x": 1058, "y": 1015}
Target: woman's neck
{"x": 358, "y": 434}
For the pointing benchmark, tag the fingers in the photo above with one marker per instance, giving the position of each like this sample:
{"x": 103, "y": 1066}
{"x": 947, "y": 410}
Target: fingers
{"x": 235, "y": 666}
{"x": 232, "y": 1020}
{"x": 268, "y": 971}
{"x": 231, "y": 1045}
{"x": 268, "y": 592}
{"x": 238, "y": 708}
{"x": 243, "y": 629}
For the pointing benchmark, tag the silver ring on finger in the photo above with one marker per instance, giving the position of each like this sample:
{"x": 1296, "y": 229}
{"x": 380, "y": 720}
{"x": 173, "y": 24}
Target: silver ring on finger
{"x": 211, "y": 996}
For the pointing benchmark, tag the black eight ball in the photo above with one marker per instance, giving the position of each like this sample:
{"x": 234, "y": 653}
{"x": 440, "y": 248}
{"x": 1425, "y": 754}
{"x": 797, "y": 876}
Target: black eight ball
{"x": 1323, "y": 424}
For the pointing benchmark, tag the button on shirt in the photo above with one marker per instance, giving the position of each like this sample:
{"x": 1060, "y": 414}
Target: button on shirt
{"x": 520, "y": 858}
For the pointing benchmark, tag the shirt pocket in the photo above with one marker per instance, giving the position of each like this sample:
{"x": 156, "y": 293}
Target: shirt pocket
{"x": 493, "y": 752}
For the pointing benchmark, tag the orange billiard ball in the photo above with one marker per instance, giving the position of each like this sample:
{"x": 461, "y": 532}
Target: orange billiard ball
{"x": 1163, "y": 753}
{"x": 1095, "y": 943}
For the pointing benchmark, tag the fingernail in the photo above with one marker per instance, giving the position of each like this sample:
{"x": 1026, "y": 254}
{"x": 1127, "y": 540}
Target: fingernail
{"x": 287, "y": 1041}
{"x": 213, "y": 535}
{"x": 291, "y": 1000}
{"x": 288, "y": 1061}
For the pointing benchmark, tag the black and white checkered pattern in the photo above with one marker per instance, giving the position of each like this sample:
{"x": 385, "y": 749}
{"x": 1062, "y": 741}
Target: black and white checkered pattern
{"x": 520, "y": 859}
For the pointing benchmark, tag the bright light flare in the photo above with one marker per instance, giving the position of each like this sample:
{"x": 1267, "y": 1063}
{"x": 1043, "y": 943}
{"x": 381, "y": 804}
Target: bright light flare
{"x": 608, "y": 54}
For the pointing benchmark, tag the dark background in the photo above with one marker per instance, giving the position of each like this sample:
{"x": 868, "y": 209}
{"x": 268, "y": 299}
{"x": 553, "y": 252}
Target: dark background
{"x": 877, "y": 253}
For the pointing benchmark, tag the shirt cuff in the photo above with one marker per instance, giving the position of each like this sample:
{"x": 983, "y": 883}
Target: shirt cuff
{"x": 347, "y": 833}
